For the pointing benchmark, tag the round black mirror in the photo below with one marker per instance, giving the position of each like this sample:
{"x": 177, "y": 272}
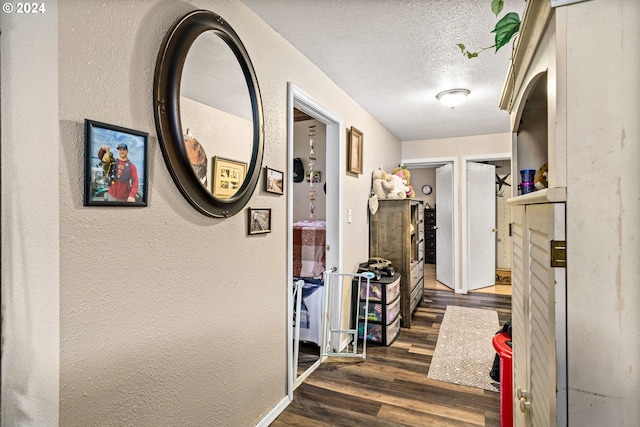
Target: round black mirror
{"x": 208, "y": 114}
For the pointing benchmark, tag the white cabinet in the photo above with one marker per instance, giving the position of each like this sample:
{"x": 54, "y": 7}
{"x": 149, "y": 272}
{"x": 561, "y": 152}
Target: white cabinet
{"x": 571, "y": 93}
{"x": 538, "y": 289}
{"x": 539, "y": 317}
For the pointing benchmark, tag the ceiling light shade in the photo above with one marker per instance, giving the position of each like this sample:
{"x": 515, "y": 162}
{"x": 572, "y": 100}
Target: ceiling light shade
{"x": 453, "y": 97}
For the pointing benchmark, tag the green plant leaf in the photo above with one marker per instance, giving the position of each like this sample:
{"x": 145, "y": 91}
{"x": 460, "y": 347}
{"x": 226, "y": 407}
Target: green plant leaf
{"x": 506, "y": 28}
{"x": 496, "y": 6}
{"x": 461, "y": 46}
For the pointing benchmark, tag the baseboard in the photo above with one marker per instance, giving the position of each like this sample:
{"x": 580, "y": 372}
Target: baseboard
{"x": 273, "y": 414}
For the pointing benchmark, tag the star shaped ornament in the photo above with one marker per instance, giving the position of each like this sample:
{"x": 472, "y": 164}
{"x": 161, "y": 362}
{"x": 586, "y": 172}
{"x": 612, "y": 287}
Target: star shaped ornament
{"x": 501, "y": 181}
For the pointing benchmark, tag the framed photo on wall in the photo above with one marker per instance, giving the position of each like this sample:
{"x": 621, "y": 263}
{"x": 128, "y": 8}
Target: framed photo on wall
{"x": 354, "y": 155}
{"x": 259, "y": 220}
{"x": 227, "y": 177}
{"x": 115, "y": 169}
{"x": 274, "y": 182}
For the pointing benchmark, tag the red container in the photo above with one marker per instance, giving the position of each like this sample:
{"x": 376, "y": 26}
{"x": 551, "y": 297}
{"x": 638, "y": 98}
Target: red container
{"x": 506, "y": 378}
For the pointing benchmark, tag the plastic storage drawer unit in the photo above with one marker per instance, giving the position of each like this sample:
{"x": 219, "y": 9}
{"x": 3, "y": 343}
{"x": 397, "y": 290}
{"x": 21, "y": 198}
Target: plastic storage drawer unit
{"x": 383, "y": 319}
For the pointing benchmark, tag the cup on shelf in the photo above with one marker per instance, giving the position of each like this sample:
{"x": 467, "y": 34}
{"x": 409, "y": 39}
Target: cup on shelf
{"x": 527, "y": 175}
{"x": 527, "y": 187}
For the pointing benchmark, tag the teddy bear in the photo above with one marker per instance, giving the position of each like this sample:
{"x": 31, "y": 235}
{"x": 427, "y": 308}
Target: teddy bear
{"x": 382, "y": 187}
{"x": 399, "y": 189}
{"x": 406, "y": 175}
{"x": 380, "y": 184}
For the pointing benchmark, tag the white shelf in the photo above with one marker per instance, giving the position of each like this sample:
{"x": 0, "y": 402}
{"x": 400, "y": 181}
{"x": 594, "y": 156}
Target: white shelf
{"x": 547, "y": 195}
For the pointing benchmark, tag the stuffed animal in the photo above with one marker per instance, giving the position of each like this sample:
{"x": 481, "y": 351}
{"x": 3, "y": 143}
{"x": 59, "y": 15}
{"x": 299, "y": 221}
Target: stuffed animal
{"x": 540, "y": 180}
{"x": 399, "y": 189}
{"x": 406, "y": 175}
{"x": 380, "y": 184}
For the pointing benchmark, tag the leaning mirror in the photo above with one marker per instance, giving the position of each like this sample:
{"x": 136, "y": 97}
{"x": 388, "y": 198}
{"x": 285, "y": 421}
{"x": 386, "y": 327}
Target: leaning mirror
{"x": 208, "y": 114}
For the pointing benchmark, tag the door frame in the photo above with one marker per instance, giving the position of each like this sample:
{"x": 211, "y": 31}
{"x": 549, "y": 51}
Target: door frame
{"x": 335, "y": 162}
{"x": 465, "y": 212}
{"x": 433, "y": 162}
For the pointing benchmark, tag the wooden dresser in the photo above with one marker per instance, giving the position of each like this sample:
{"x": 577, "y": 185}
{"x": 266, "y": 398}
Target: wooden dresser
{"x": 396, "y": 232}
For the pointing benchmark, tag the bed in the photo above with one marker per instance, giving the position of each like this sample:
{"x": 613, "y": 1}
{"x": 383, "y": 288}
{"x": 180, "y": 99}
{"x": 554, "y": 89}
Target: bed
{"x": 309, "y": 240}
{"x": 311, "y": 307}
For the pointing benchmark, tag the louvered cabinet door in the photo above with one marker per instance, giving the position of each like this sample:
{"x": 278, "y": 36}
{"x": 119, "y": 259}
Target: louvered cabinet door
{"x": 539, "y": 308}
{"x": 519, "y": 309}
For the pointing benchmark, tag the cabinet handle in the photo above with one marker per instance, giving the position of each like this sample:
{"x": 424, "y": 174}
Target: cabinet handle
{"x": 523, "y": 397}
{"x": 494, "y": 230}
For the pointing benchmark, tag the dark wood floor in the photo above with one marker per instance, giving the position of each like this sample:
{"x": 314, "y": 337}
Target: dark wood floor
{"x": 391, "y": 387}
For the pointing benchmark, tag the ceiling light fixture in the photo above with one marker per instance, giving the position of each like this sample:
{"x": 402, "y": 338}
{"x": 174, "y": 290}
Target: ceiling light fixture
{"x": 453, "y": 97}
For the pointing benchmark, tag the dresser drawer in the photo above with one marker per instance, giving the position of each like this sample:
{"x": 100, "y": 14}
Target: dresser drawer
{"x": 430, "y": 234}
{"x": 416, "y": 294}
{"x": 417, "y": 271}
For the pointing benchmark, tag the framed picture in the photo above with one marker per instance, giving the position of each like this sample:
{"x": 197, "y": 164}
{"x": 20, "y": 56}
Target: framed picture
{"x": 259, "y": 220}
{"x": 275, "y": 181}
{"x": 354, "y": 156}
{"x": 317, "y": 176}
{"x": 227, "y": 177}
{"x": 115, "y": 166}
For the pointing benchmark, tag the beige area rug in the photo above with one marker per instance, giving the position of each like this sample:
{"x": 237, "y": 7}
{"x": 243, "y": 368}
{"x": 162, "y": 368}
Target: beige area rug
{"x": 464, "y": 353}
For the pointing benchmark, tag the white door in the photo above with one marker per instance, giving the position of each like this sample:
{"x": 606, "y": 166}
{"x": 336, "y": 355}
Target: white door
{"x": 481, "y": 225}
{"x": 444, "y": 225}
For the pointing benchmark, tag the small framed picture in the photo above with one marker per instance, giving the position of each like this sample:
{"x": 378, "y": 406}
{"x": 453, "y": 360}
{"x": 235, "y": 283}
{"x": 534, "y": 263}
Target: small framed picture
{"x": 275, "y": 181}
{"x": 228, "y": 175}
{"x": 115, "y": 169}
{"x": 354, "y": 156}
{"x": 259, "y": 220}
{"x": 317, "y": 176}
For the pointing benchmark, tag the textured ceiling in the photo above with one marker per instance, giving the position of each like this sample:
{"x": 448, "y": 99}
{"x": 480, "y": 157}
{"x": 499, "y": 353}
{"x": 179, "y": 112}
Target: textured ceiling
{"x": 394, "y": 56}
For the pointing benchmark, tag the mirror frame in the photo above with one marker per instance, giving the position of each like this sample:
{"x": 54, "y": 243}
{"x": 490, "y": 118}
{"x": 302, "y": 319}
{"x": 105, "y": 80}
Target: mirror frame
{"x": 166, "y": 95}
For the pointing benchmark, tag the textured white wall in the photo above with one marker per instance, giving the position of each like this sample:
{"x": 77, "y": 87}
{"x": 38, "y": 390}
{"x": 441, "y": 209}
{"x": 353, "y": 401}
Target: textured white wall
{"x": 603, "y": 212}
{"x": 30, "y": 212}
{"x": 460, "y": 146}
{"x": 167, "y": 317}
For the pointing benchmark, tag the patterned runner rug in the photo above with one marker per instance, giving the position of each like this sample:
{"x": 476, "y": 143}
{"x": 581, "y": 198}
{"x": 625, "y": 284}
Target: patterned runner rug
{"x": 464, "y": 353}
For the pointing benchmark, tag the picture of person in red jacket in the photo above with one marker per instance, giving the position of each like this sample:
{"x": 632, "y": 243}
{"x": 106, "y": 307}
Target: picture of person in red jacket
{"x": 123, "y": 185}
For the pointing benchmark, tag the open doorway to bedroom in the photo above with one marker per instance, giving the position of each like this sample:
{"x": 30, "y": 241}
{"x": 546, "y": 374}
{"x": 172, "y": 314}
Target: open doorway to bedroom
{"x": 315, "y": 160}
{"x": 309, "y": 233}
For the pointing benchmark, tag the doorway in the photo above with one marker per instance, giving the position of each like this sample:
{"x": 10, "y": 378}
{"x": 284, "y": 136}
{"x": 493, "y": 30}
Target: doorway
{"x": 425, "y": 172}
{"x": 459, "y": 276}
{"x": 309, "y": 234}
{"x": 485, "y": 235}
{"x": 328, "y": 192}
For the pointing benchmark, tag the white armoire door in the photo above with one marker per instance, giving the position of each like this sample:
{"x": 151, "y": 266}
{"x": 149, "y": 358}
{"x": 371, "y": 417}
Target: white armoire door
{"x": 539, "y": 317}
{"x": 481, "y": 225}
{"x": 444, "y": 225}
